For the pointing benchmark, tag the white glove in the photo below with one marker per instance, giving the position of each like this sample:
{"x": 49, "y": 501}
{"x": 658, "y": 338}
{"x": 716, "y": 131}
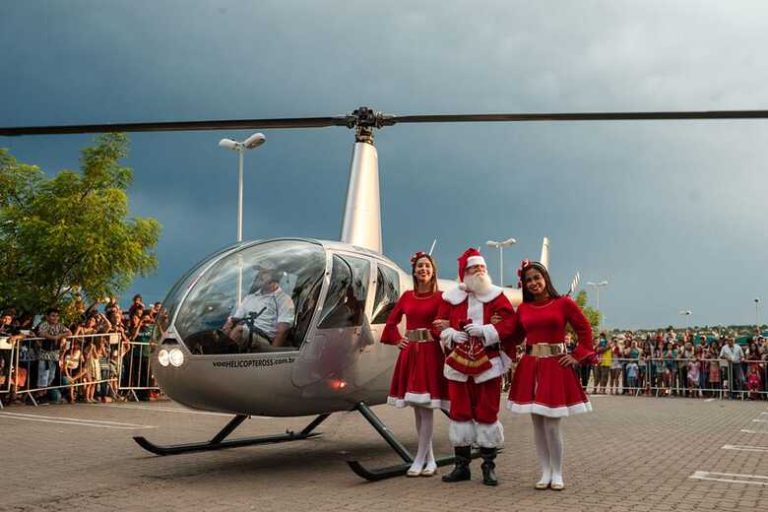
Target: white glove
{"x": 474, "y": 330}
{"x": 459, "y": 337}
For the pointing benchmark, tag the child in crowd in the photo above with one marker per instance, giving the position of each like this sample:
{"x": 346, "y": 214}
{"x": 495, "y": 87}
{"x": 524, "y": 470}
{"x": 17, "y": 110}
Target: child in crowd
{"x": 693, "y": 377}
{"x": 91, "y": 371}
{"x": 71, "y": 367}
{"x": 714, "y": 370}
{"x": 102, "y": 388}
{"x": 753, "y": 383}
{"x": 632, "y": 374}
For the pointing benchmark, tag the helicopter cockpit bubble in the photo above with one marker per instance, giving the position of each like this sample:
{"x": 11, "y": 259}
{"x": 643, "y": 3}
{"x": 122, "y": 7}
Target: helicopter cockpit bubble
{"x": 257, "y": 298}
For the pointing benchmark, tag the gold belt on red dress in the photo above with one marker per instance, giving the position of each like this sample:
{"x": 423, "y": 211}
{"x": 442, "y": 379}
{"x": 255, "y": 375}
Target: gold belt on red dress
{"x": 418, "y": 335}
{"x": 547, "y": 349}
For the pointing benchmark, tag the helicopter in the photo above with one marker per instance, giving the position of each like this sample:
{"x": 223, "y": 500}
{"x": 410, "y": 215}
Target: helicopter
{"x": 331, "y": 359}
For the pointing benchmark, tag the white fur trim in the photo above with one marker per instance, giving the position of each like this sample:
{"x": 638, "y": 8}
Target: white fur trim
{"x": 490, "y": 335}
{"x": 551, "y": 412}
{"x": 454, "y": 375}
{"x": 489, "y": 435}
{"x": 426, "y": 400}
{"x": 499, "y": 365}
{"x": 455, "y": 296}
{"x": 497, "y": 369}
{"x": 461, "y": 433}
{"x": 474, "y": 310}
{"x": 429, "y": 404}
{"x": 493, "y": 292}
{"x": 506, "y": 361}
{"x": 474, "y": 260}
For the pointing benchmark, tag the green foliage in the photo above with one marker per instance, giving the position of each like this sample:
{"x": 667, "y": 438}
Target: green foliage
{"x": 71, "y": 232}
{"x": 592, "y": 314}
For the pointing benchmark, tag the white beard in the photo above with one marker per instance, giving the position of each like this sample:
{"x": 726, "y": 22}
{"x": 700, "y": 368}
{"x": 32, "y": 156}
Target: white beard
{"x": 478, "y": 284}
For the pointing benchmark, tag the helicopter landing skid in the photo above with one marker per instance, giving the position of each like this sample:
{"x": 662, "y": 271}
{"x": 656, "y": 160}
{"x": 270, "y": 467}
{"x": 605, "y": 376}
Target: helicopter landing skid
{"x": 218, "y": 442}
{"x": 374, "y": 475}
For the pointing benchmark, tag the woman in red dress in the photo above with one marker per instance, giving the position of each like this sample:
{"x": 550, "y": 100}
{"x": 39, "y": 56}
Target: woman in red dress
{"x": 545, "y": 383}
{"x": 418, "y": 378}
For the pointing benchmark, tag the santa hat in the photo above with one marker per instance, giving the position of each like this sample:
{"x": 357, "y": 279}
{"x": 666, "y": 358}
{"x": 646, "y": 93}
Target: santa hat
{"x": 470, "y": 258}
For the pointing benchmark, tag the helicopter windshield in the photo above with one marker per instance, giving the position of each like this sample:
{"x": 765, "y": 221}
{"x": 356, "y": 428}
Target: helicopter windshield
{"x": 258, "y": 299}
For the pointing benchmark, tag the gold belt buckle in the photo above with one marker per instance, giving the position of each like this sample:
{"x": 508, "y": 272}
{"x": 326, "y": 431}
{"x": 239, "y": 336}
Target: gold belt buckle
{"x": 418, "y": 335}
{"x": 547, "y": 349}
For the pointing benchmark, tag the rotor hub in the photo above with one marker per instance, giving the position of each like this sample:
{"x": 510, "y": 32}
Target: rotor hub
{"x": 365, "y": 120}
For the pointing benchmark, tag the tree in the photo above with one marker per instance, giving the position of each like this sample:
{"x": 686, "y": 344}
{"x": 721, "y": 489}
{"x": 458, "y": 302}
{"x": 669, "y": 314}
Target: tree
{"x": 592, "y": 314}
{"x": 71, "y": 233}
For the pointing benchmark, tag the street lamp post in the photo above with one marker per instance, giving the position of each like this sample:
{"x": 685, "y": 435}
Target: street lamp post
{"x": 597, "y": 287}
{"x": 757, "y": 315}
{"x": 501, "y": 245}
{"x": 252, "y": 142}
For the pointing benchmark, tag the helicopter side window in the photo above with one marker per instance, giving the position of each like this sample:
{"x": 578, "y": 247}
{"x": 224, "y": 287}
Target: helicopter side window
{"x": 345, "y": 302}
{"x": 387, "y": 293}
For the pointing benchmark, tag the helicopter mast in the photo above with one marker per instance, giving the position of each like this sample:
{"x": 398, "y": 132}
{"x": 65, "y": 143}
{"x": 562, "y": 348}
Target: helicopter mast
{"x": 362, "y": 213}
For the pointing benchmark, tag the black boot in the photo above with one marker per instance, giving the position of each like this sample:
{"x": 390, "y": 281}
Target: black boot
{"x": 461, "y": 470}
{"x": 488, "y": 466}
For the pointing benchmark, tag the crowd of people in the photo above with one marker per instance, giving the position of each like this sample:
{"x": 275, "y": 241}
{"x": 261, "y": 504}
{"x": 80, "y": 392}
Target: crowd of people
{"x": 668, "y": 363}
{"x": 88, "y": 360}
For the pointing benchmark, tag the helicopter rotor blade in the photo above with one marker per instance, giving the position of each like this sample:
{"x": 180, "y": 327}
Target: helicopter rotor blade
{"x": 580, "y": 116}
{"x": 365, "y": 117}
{"x": 177, "y": 126}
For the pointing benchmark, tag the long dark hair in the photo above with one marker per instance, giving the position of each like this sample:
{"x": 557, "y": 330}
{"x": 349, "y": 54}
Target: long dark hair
{"x": 528, "y": 296}
{"x": 432, "y": 281}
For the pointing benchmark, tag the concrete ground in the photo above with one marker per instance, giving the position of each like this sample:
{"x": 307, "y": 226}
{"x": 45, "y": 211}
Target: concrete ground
{"x": 631, "y": 454}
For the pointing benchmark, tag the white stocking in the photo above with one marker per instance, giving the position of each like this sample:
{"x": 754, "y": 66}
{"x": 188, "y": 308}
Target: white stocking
{"x": 418, "y": 461}
{"x": 542, "y": 451}
{"x": 555, "y": 445}
{"x": 425, "y": 438}
{"x": 424, "y": 426}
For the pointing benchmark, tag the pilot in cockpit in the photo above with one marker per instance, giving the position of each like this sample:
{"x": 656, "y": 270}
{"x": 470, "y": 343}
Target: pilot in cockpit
{"x": 264, "y": 315}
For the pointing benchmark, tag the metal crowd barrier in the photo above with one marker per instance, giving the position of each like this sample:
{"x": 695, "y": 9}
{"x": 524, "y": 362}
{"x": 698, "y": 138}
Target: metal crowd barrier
{"x": 135, "y": 375}
{"x": 123, "y": 369}
{"x": 717, "y": 378}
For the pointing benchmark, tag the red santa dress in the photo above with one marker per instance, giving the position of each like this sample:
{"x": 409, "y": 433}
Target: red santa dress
{"x": 541, "y": 385}
{"x": 418, "y": 378}
{"x": 475, "y": 398}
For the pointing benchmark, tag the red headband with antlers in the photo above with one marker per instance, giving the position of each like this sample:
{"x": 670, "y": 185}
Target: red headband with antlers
{"x": 417, "y": 256}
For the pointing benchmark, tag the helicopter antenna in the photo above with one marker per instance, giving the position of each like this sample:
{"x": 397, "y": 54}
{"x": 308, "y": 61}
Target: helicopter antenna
{"x": 431, "y": 249}
{"x": 574, "y": 284}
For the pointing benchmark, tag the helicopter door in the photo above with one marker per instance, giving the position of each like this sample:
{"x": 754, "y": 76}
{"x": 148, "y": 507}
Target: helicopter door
{"x": 342, "y": 327}
{"x": 387, "y": 293}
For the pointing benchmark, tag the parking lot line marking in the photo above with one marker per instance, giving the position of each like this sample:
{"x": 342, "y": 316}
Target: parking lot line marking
{"x": 709, "y": 400}
{"x": 760, "y": 421}
{"x": 747, "y": 431}
{"x": 746, "y": 448}
{"x": 160, "y": 409}
{"x": 733, "y": 478}
{"x": 71, "y": 421}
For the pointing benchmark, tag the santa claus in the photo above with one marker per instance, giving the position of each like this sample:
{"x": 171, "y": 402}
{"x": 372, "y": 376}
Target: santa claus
{"x": 474, "y": 364}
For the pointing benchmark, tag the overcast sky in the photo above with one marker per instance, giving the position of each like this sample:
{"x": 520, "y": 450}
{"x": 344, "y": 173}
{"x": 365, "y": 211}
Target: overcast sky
{"x": 671, "y": 214}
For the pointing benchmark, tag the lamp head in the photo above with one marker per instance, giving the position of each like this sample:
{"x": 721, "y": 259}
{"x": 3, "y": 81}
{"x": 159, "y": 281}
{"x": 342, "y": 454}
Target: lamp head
{"x": 228, "y": 144}
{"x": 254, "y": 141}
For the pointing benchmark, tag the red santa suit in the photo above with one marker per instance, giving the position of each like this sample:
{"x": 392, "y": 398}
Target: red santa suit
{"x": 475, "y": 399}
{"x": 418, "y": 378}
{"x": 541, "y": 385}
